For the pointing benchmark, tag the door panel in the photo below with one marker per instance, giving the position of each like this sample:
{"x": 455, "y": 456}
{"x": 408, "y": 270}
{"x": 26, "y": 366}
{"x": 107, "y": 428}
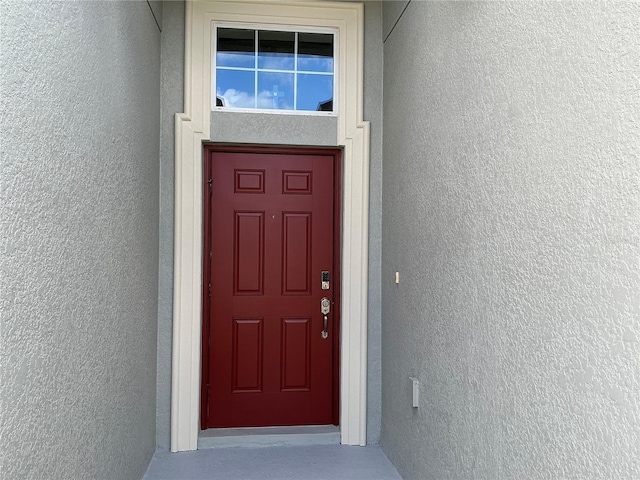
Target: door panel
{"x": 248, "y": 253}
{"x": 271, "y": 222}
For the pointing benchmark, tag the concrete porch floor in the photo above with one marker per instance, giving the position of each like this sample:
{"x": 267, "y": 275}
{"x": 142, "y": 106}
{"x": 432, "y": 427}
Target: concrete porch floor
{"x": 318, "y": 462}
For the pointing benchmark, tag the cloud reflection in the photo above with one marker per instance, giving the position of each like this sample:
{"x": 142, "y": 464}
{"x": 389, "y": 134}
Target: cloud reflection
{"x": 241, "y": 99}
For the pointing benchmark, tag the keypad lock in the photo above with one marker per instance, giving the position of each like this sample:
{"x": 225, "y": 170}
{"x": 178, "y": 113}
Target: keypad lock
{"x": 325, "y": 308}
{"x": 325, "y": 280}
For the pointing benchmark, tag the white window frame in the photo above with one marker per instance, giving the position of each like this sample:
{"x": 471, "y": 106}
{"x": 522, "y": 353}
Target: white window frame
{"x": 192, "y": 128}
{"x": 278, "y": 28}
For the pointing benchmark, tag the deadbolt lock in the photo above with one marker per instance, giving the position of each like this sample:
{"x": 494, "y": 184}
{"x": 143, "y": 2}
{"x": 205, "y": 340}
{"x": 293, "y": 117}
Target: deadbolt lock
{"x": 325, "y": 306}
{"x": 325, "y": 280}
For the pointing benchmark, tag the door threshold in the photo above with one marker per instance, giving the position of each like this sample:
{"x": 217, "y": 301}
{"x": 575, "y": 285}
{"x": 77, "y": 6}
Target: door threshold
{"x": 269, "y": 436}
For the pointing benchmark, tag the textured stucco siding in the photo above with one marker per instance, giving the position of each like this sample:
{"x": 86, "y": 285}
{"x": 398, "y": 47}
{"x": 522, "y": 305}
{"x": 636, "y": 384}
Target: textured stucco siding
{"x": 392, "y": 11}
{"x": 373, "y": 114}
{"x": 172, "y": 102}
{"x": 511, "y": 209}
{"x": 273, "y": 129}
{"x": 80, "y": 134}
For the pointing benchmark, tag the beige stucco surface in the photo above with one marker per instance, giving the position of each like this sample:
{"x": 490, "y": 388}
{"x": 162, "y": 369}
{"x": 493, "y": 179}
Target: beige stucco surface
{"x": 511, "y": 209}
{"x": 79, "y": 119}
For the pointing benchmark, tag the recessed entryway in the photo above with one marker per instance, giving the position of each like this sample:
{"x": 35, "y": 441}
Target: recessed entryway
{"x": 193, "y": 128}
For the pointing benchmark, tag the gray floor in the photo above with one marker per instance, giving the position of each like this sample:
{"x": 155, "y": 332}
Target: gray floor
{"x": 269, "y": 436}
{"x": 319, "y": 462}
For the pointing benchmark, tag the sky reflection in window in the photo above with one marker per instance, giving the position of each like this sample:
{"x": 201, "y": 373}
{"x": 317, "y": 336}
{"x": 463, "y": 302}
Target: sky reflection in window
{"x": 278, "y": 87}
{"x": 276, "y": 50}
{"x": 236, "y": 48}
{"x": 314, "y": 90}
{"x": 274, "y": 70}
{"x": 315, "y": 52}
{"x": 237, "y": 88}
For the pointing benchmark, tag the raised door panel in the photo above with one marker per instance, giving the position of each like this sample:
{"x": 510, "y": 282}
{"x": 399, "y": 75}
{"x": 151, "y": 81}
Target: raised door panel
{"x": 296, "y": 253}
{"x": 248, "y": 253}
{"x": 247, "y": 354}
{"x": 296, "y": 354}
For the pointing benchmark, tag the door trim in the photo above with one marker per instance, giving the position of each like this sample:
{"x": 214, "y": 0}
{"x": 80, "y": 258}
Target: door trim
{"x": 208, "y": 149}
{"x": 192, "y": 129}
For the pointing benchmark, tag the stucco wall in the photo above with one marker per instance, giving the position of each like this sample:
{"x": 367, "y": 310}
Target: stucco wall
{"x": 274, "y": 129}
{"x": 172, "y": 88}
{"x": 373, "y": 113}
{"x": 511, "y": 209}
{"x": 392, "y": 11}
{"x": 80, "y": 134}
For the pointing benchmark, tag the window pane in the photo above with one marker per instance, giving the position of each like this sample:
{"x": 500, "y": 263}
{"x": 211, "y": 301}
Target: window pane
{"x": 275, "y": 50}
{"x": 315, "y": 92}
{"x": 315, "y": 52}
{"x": 288, "y": 76}
{"x": 236, "y": 88}
{"x": 275, "y": 91}
{"x": 236, "y": 48}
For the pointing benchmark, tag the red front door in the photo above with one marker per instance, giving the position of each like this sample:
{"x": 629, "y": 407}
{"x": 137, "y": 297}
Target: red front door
{"x": 271, "y": 227}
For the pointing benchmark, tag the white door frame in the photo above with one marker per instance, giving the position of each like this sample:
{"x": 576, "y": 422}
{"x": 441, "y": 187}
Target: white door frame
{"x": 192, "y": 128}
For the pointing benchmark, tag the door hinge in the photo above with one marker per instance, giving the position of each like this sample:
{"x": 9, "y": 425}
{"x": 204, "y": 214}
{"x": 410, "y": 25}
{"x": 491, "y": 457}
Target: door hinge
{"x": 210, "y": 182}
{"x": 209, "y": 289}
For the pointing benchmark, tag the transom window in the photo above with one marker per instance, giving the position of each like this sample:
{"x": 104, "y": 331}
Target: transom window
{"x": 274, "y": 70}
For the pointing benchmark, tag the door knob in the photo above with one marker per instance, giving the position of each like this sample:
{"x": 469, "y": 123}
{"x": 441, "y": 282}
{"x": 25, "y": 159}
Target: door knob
{"x": 325, "y": 308}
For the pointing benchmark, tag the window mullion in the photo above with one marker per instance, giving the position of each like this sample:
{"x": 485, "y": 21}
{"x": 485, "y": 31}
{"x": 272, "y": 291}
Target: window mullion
{"x": 255, "y": 71}
{"x": 295, "y": 72}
